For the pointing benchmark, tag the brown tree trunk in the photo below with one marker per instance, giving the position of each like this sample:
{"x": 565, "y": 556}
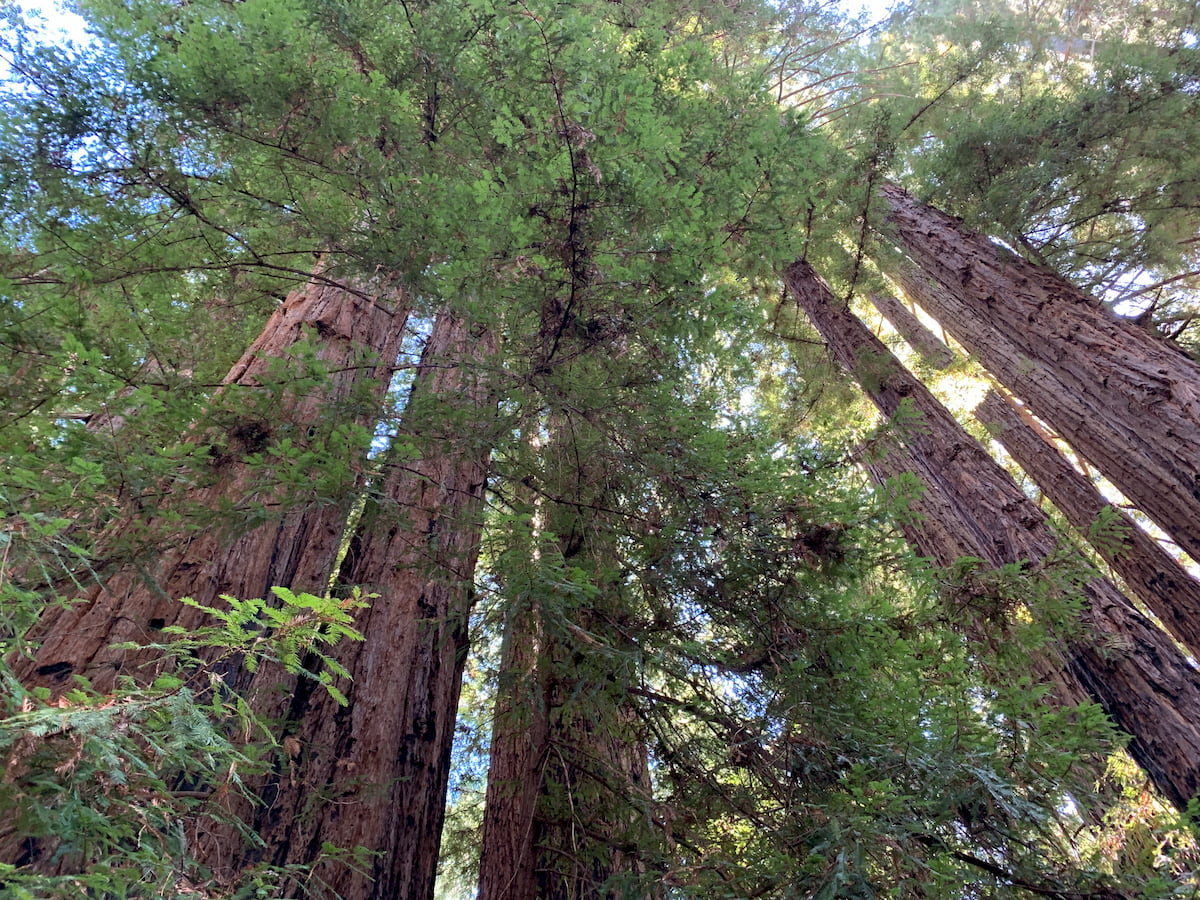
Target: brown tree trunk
{"x": 1126, "y": 402}
{"x": 516, "y": 768}
{"x": 1127, "y": 664}
{"x": 936, "y": 528}
{"x": 568, "y": 770}
{"x": 373, "y": 774}
{"x": 926, "y": 344}
{"x": 1151, "y": 573}
{"x": 355, "y": 334}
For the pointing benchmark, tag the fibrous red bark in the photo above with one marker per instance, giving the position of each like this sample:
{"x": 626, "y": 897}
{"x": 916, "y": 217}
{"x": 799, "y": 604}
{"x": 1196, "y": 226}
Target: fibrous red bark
{"x": 1129, "y": 666}
{"x": 927, "y": 345}
{"x": 354, "y": 334}
{"x": 935, "y": 528}
{"x": 1125, "y": 401}
{"x": 1151, "y": 573}
{"x": 373, "y": 774}
{"x": 568, "y": 768}
{"x": 517, "y": 762}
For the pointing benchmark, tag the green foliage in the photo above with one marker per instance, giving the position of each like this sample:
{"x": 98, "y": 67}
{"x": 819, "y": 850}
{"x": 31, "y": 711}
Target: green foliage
{"x": 292, "y": 631}
{"x": 106, "y": 793}
{"x": 1063, "y": 129}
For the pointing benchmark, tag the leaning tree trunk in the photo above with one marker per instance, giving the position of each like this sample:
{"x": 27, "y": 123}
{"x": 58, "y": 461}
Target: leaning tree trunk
{"x": 373, "y": 774}
{"x": 928, "y": 346}
{"x": 323, "y": 361}
{"x": 1126, "y": 402}
{"x": 1151, "y": 573}
{"x": 1128, "y": 665}
{"x": 934, "y": 527}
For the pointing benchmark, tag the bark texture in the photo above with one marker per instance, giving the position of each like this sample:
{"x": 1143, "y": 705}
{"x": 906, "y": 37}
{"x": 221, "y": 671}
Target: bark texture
{"x": 1151, "y": 573}
{"x": 516, "y": 767}
{"x": 568, "y": 772}
{"x": 936, "y": 528}
{"x": 1125, "y": 401}
{"x": 260, "y": 533}
{"x": 373, "y": 774}
{"x": 1128, "y": 665}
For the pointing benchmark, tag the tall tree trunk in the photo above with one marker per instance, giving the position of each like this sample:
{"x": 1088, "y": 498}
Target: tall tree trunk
{"x": 928, "y": 346}
{"x": 517, "y": 763}
{"x": 935, "y": 528}
{"x": 1128, "y": 665}
{"x": 1151, "y": 573}
{"x": 1126, "y": 402}
{"x": 373, "y": 774}
{"x": 568, "y": 770}
{"x": 355, "y": 334}
{"x": 568, "y": 773}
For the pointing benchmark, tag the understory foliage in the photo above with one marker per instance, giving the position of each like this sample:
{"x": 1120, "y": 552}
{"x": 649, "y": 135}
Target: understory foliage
{"x": 753, "y": 688}
{"x": 116, "y": 783}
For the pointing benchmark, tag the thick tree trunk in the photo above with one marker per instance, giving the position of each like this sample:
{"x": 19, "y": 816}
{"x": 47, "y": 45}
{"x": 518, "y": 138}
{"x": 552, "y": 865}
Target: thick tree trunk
{"x": 1126, "y": 402}
{"x": 1151, "y": 573}
{"x": 355, "y": 336}
{"x": 1128, "y": 665}
{"x": 373, "y": 774}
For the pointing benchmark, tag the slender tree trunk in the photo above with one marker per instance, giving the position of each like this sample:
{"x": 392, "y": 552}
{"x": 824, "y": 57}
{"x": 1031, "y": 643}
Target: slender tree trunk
{"x": 936, "y": 528}
{"x": 597, "y": 781}
{"x": 568, "y": 771}
{"x": 567, "y": 776}
{"x": 355, "y": 335}
{"x": 373, "y": 774}
{"x": 1128, "y": 665}
{"x": 1126, "y": 402}
{"x": 517, "y": 764}
{"x": 1151, "y": 573}
{"x": 927, "y": 345}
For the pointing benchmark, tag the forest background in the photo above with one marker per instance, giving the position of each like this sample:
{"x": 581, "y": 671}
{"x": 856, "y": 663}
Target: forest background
{"x": 538, "y": 450}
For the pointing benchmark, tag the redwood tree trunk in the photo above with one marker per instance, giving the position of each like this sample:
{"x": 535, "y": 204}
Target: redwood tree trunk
{"x": 927, "y": 345}
{"x": 373, "y": 774}
{"x": 1128, "y": 665}
{"x": 1151, "y": 573}
{"x": 1125, "y": 401}
{"x": 355, "y": 334}
{"x": 517, "y": 764}
{"x": 568, "y": 772}
{"x": 936, "y": 528}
